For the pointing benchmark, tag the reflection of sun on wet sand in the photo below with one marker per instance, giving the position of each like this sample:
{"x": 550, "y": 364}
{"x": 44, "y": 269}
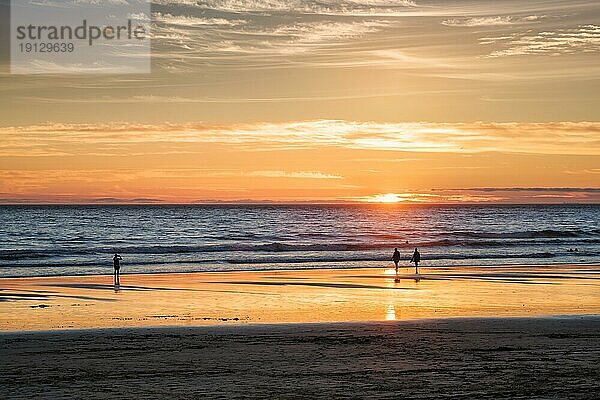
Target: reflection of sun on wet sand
{"x": 296, "y": 296}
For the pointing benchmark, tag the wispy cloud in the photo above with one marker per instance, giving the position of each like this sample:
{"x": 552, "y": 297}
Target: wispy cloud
{"x": 201, "y": 40}
{"x": 322, "y": 7}
{"x": 528, "y": 189}
{"x": 582, "y": 39}
{"x": 193, "y": 21}
{"x": 40, "y": 66}
{"x": 12, "y": 198}
{"x": 46, "y": 176}
{"x": 522, "y": 194}
{"x": 152, "y": 99}
{"x": 490, "y": 21}
{"x": 578, "y": 138}
{"x": 293, "y": 174}
{"x": 584, "y": 171}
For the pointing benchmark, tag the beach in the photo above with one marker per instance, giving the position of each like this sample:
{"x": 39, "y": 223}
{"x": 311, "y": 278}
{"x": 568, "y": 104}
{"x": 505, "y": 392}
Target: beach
{"x": 470, "y": 332}
{"x": 296, "y": 296}
{"x": 365, "y": 199}
{"x": 533, "y": 358}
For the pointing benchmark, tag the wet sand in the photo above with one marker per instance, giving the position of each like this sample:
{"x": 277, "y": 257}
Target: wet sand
{"x": 301, "y": 296}
{"x": 289, "y": 334}
{"x": 533, "y": 358}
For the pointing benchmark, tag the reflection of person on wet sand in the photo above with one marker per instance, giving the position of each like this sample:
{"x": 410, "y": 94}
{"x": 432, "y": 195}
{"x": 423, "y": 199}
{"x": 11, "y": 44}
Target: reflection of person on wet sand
{"x": 117, "y": 265}
{"x": 416, "y": 258}
{"x": 396, "y": 259}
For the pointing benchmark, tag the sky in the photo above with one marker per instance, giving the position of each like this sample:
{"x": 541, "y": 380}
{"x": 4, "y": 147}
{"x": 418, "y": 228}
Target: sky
{"x": 325, "y": 101}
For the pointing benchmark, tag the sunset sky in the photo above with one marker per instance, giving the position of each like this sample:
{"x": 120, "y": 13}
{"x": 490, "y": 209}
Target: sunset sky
{"x": 332, "y": 100}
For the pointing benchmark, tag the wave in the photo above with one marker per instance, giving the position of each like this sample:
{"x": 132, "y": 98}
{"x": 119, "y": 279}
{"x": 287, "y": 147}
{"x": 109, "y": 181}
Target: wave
{"x": 314, "y": 259}
{"x": 528, "y": 234}
{"x": 424, "y": 258}
{"x": 275, "y": 247}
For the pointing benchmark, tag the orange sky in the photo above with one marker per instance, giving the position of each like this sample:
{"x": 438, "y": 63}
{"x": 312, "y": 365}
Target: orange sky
{"x": 305, "y": 161}
{"x": 412, "y": 101}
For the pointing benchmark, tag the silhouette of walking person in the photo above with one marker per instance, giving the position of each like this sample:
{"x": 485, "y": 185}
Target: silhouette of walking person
{"x": 396, "y": 259}
{"x": 117, "y": 265}
{"x": 416, "y": 258}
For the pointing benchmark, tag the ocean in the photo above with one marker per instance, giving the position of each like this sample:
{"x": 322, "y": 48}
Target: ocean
{"x": 81, "y": 239}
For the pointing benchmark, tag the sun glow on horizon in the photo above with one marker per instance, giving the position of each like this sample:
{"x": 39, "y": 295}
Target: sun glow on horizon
{"x": 390, "y": 198}
{"x": 386, "y": 198}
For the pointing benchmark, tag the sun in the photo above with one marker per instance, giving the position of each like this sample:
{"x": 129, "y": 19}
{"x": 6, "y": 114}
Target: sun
{"x": 386, "y": 198}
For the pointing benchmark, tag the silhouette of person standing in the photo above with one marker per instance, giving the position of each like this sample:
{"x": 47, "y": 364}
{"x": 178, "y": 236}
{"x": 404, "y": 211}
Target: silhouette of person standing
{"x": 416, "y": 258}
{"x": 117, "y": 265}
{"x": 396, "y": 259}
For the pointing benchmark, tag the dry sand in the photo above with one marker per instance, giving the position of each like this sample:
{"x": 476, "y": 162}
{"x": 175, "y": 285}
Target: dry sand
{"x": 459, "y": 359}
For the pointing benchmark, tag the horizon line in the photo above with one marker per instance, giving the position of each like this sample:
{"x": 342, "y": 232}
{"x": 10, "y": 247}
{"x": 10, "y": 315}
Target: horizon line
{"x": 283, "y": 203}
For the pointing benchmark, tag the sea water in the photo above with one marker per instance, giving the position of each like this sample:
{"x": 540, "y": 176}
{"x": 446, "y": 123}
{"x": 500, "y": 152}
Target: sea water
{"x": 72, "y": 240}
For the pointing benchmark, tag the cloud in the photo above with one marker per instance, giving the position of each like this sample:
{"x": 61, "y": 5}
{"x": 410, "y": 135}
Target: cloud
{"x": 199, "y": 39}
{"x": 576, "y": 138}
{"x": 490, "y": 21}
{"x": 192, "y": 21}
{"x": 528, "y": 189}
{"x": 77, "y": 3}
{"x": 517, "y": 195}
{"x": 43, "y": 177}
{"x": 388, "y": 8}
{"x": 319, "y": 7}
{"x": 11, "y": 198}
{"x": 319, "y": 32}
{"x": 584, "y": 171}
{"x": 138, "y": 17}
{"x": 293, "y": 174}
{"x": 582, "y": 39}
{"x": 37, "y": 66}
{"x": 152, "y": 99}
{"x": 120, "y": 200}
